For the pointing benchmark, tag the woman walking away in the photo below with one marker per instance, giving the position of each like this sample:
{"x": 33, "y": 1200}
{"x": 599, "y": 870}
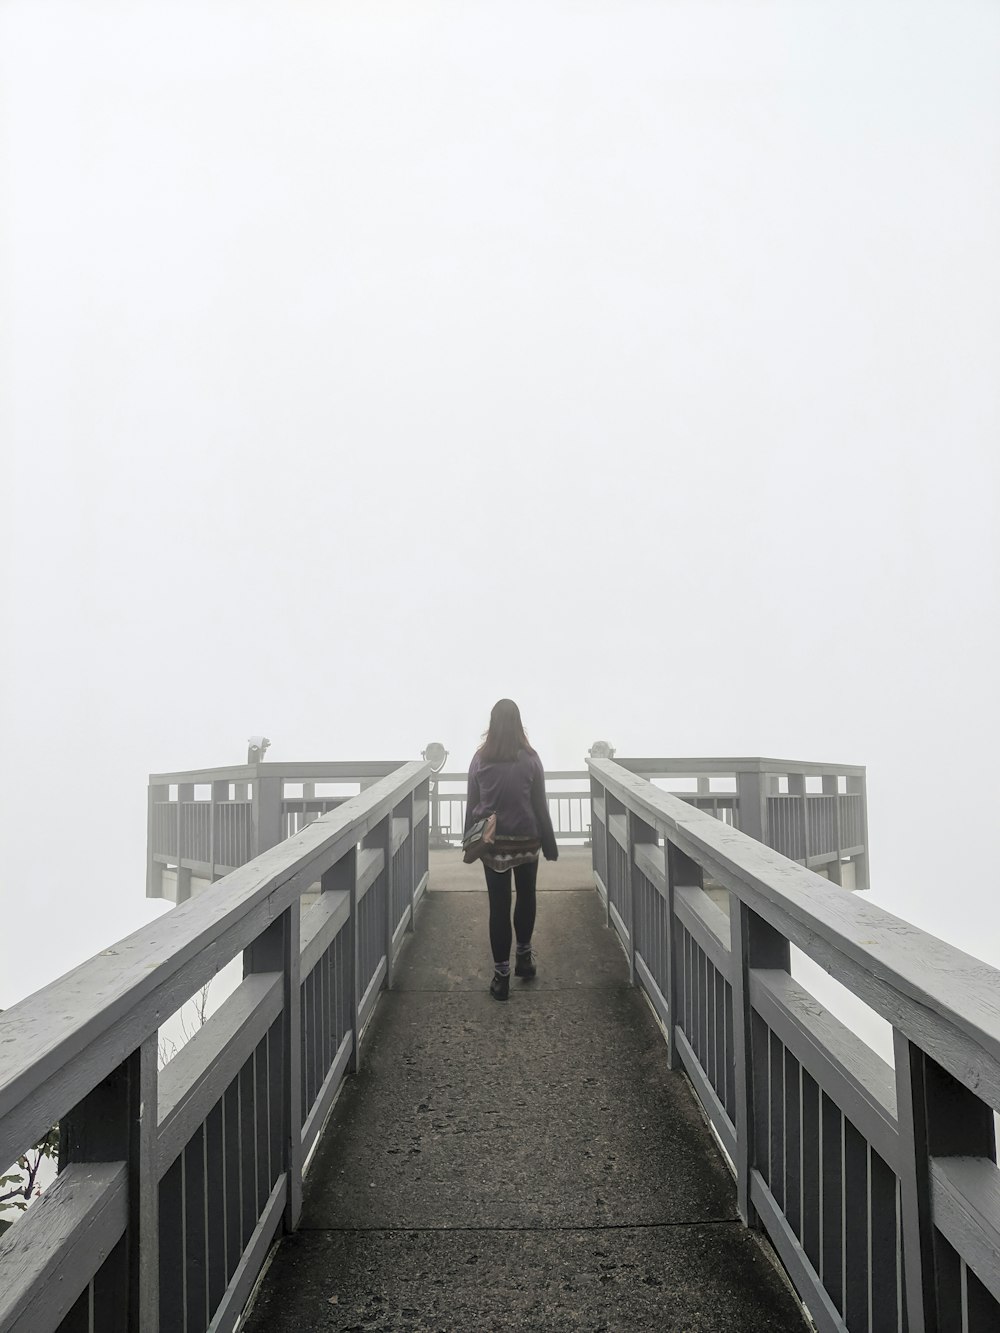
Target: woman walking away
{"x": 506, "y": 778}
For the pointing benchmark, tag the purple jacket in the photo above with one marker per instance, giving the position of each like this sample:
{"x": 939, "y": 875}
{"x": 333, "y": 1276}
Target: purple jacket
{"x": 516, "y": 791}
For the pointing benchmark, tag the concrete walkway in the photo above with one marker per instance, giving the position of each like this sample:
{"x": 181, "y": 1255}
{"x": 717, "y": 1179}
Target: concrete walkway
{"x": 528, "y": 1165}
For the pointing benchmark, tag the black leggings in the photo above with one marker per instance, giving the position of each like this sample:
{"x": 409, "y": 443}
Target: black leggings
{"x": 498, "y": 886}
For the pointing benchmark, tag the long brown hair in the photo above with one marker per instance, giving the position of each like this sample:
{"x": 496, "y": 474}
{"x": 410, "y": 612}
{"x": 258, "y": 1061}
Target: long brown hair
{"x": 506, "y": 734}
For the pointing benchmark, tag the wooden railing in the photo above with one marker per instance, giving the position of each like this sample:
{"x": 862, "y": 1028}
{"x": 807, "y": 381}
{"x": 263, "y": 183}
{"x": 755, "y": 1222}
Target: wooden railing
{"x": 204, "y": 823}
{"x": 172, "y": 1185}
{"x": 770, "y": 799}
{"x": 877, "y": 1186}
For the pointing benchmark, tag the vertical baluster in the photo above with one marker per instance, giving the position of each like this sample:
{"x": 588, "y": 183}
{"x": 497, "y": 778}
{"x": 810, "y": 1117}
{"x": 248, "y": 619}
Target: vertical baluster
{"x": 681, "y": 872}
{"x": 117, "y": 1122}
{"x": 639, "y": 833}
{"x": 343, "y": 875}
{"x": 832, "y": 1199}
{"x": 810, "y": 1169}
{"x": 754, "y": 944}
{"x": 938, "y": 1117}
{"x": 280, "y": 1094}
{"x": 185, "y": 793}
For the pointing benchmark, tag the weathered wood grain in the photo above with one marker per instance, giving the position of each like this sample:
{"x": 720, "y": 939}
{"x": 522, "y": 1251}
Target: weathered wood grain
{"x": 321, "y": 924}
{"x": 60, "y": 1042}
{"x": 198, "y": 1075}
{"x": 49, "y": 1256}
{"x": 861, "y": 1083}
{"x": 706, "y": 923}
{"x": 942, "y": 998}
{"x": 965, "y": 1193}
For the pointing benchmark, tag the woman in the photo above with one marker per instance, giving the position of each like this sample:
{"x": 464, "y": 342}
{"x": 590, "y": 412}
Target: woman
{"x": 506, "y": 776}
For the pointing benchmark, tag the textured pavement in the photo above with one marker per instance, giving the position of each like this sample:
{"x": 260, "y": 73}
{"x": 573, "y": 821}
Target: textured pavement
{"x": 529, "y": 1165}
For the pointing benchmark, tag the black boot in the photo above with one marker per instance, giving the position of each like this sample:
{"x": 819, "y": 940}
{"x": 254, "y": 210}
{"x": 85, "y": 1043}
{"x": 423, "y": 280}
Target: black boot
{"x": 524, "y": 965}
{"x": 500, "y": 986}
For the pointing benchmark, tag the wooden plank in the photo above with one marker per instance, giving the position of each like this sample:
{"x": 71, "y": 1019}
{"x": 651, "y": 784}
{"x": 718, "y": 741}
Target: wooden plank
{"x": 965, "y": 1193}
{"x": 399, "y": 933}
{"x": 706, "y": 923}
{"x": 618, "y": 828}
{"x": 370, "y": 863}
{"x": 621, "y": 930}
{"x": 251, "y": 1262}
{"x": 811, "y": 1291}
{"x": 421, "y": 811}
{"x": 651, "y": 860}
{"x": 942, "y": 998}
{"x": 328, "y": 771}
{"x": 706, "y": 1094}
{"x": 49, "y": 1256}
{"x": 400, "y": 832}
{"x": 198, "y": 1075}
{"x": 656, "y": 997}
{"x": 862, "y": 1084}
{"x": 728, "y": 767}
{"x": 327, "y": 1094}
{"x": 321, "y": 924}
{"x": 65, "y": 1038}
{"x": 366, "y": 1006}
{"x": 421, "y": 888}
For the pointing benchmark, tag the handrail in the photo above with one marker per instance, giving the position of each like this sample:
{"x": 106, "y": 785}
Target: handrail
{"x": 322, "y": 771}
{"x": 265, "y": 1069}
{"x": 835, "y": 1152}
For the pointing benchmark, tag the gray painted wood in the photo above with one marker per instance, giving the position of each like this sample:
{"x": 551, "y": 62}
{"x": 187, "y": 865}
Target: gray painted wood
{"x": 844, "y": 1066}
{"x": 49, "y": 1257}
{"x": 251, "y": 1261}
{"x": 707, "y": 1095}
{"x": 938, "y": 1118}
{"x": 639, "y": 834}
{"x": 60, "y": 1041}
{"x": 327, "y": 1095}
{"x": 321, "y": 923}
{"x": 707, "y": 923}
{"x": 201, "y": 1071}
{"x": 941, "y": 997}
{"x": 277, "y": 950}
{"x": 965, "y": 1194}
{"x": 753, "y": 944}
{"x": 824, "y": 1313}
{"x": 681, "y": 873}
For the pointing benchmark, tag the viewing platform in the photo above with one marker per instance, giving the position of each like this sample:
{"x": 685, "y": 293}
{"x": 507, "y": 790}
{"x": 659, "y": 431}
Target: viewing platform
{"x": 665, "y": 1130}
{"x": 528, "y": 1165}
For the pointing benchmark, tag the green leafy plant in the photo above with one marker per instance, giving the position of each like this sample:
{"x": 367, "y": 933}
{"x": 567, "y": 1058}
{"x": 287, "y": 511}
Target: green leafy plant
{"x": 18, "y": 1185}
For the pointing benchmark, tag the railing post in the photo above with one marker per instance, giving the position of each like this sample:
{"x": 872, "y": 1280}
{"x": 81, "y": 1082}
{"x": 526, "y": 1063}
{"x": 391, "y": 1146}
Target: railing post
{"x": 343, "y": 874}
{"x": 409, "y": 804}
{"x": 858, "y": 786}
{"x": 797, "y": 787}
{"x": 265, "y": 793}
{"x": 277, "y": 950}
{"x": 638, "y": 832}
{"x": 384, "y": 838}
{"x": 220, "y": 793}
{"x": 157, "y": 793}
{"x": 681, "y": 872}
{"x": 753, "y": 944}
{"x": 751, "y": 795}
{"x": 938, "y": 1117}
{"x": 116, "y": 1122}
{"x": 831, "y": 787}
{"x": 185, "y": 792}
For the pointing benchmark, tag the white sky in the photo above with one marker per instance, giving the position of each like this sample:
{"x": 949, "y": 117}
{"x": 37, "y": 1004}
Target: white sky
{"x": 362, "y": 363}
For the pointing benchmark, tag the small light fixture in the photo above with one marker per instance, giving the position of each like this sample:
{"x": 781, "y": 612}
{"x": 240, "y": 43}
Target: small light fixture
{"x": 436, "y": 755}
{"x": 601, "y": 750}
{"x": 256, "y": 747}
